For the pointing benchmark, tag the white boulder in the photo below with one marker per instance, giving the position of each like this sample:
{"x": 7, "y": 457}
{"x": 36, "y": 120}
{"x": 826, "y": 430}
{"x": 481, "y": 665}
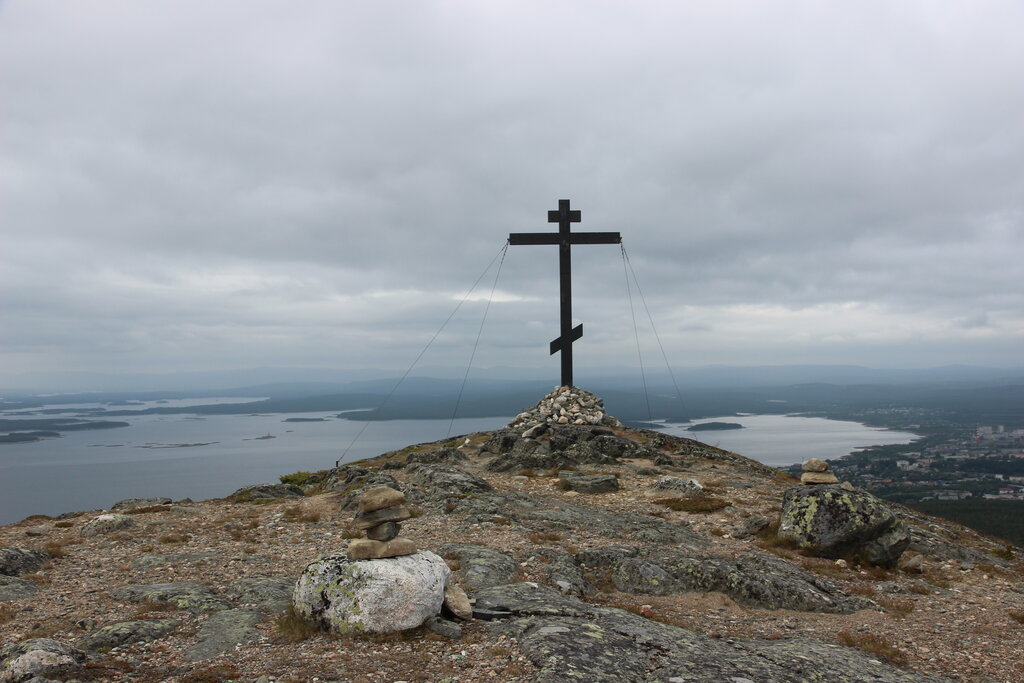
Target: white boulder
{"x": 371, "y": 596}
{"x": 106, "y": 523}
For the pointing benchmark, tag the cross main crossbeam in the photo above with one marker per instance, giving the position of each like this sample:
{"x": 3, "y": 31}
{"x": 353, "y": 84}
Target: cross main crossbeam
{"x": 565, "y": 238}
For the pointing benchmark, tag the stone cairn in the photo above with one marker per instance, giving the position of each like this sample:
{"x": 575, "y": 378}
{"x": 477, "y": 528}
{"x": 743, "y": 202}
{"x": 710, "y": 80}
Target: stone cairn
{"x": 563, "y": 406}
{"x": 381, "y": 509}
{"x": 817, "y": 472}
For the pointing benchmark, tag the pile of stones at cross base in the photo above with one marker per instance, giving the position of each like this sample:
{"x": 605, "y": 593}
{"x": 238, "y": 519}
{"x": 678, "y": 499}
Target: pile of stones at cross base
{"x": 383, "y": 583}
{"x": 565, "y": 405}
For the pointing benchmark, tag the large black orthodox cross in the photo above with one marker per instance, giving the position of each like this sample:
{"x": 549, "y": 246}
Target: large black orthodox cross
{"x": 565, "y": 239}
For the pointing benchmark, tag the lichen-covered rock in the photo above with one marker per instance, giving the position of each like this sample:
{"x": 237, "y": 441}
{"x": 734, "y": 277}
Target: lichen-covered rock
{"x": 13, "y": 588}
{"x": 152, "y": 561}
{"x": 266, "y": 492}
{"x": 446, "y": 455}
{"x": 564, "y": 572}
{"x": 754, "y": 579}
{"x": 678, "y": 485}
{"x": 107, "y": 523}
{"x": 269, "y": 593}
{"x": 446, "y": 481}
{"x": 16, "y": 561}
{"x": 480, "y": 566}
{"x": 187, "y": 595}
{"x": 371, "y": 596}
{"x": 570, "y": 640}
{"x": 42, "y": 657}
{"x": 132, "y": 503}
{"x": 125, "y": 632}
{"x": 590, "y": 483}
{"x": 222, "y": 631}
{"x": 832, "y": 522}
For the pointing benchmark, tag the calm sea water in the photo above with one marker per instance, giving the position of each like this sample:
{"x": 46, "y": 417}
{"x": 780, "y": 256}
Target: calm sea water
{"x": 202, "y": 457}
{"x": 782, "y": 440}
{"x": 157, "y": 456}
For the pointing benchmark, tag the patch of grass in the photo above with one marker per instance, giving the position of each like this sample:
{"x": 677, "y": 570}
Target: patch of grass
{"x": 453, "y": 563}
{"x": 898, "y": 607}
{"x": 46, "y": 628}
{"x": 38, "y": 578}
{"x": 351, "y": 532}
{"x": 937, "y": 579}
{"x": 785, "y": 478}
{"x": 919, "y": 589}
{"x": 6, "y": 614}
{"x": 148, "y": 606}
{"x": 1017, "y": 615}
{"x": 297, "y": 478}
{"x": 697, "y": 504}
{"x": 503, "y": 521}
{"x": 528, "y": 472}
{"x": 297, "y": 514}
{"x": 217, "y": 673}
{"x": 146, "y": 509}
{"x": 64, "y": 524}
{"x": 1005, "y": 553}
{"x": 293, "y": 627}
{"x": 173, "y": 537}
{"x": 55, "y": 549}
{"x": 104, "y": 670}
{"x": 864, "y": 589}
{"x": 562, "y": 485}
{"x": 37, "y": 518}
{"x": 542, "y": 537}
{"x": 825, "y": 567}
{"x": 875, "y": 572}
{"x": 875, "y": 644}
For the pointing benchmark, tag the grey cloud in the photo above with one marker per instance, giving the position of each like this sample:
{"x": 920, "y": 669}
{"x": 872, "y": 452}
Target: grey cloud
{"x": 180, "y": 180}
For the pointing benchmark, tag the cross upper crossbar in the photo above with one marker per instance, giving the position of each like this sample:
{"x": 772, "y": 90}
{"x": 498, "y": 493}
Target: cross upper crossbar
{"x": 565, "y": 238}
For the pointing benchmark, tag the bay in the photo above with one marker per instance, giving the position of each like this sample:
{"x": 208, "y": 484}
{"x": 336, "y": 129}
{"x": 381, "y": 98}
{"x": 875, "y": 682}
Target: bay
{"x": 211, "y": 456}
{"x": 783, "y": 440}
{"x": 190, "y": 456}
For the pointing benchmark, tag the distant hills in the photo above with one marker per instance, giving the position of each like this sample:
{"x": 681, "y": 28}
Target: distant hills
{"x": 960, "y": 392}
{"x": 712, "y": 376}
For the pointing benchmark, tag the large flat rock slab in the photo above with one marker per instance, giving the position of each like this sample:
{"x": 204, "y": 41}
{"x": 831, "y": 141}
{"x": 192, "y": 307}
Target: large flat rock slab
{"x": 186, "y": 595}
{"x": 570, "y": 640}
{"x": 222, "y": 631}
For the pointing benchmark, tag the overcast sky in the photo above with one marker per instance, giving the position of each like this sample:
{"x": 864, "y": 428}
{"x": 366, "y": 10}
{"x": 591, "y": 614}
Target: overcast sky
{"x": 197, "y": 185}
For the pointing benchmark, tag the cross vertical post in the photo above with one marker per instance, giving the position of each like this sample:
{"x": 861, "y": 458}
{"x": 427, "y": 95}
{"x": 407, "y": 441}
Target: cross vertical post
{"x": 565, "y": 238}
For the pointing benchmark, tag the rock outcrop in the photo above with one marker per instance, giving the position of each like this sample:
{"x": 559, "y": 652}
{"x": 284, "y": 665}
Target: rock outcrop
{"x": 568, "y": 639}
{"x": 38, "y": 657}
{"x": 107, "y": 523}
{"x": 16, "y": 561}
{"x": 830, "y": 521}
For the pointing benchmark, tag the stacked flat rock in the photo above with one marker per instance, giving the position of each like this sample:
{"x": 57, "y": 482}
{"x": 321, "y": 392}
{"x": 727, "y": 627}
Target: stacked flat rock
{"x": 564, "y": 405}
{"x": 381, "y": 509}
{"x": 816, "y": 472}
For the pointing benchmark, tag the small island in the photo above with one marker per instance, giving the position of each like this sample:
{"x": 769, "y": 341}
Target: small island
{"x": 714, "y": 427}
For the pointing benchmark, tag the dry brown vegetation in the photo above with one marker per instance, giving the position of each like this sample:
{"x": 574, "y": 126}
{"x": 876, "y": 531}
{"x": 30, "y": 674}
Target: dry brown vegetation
{"x": 875, "y": 644}
{"x": 696, "y": 504}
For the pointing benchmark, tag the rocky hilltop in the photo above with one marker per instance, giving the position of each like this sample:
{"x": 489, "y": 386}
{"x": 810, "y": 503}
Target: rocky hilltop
{"x": 566, "y": 546}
